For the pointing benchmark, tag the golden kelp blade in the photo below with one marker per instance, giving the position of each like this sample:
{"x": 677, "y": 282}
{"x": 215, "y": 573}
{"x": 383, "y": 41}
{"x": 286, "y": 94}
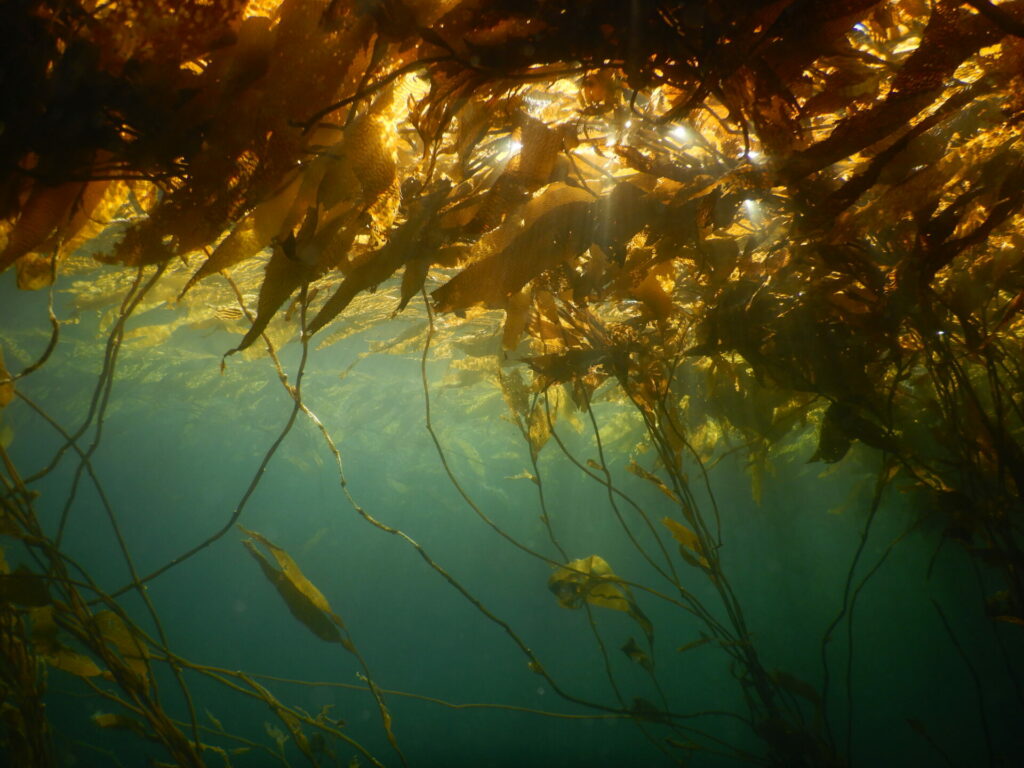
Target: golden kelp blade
{"x": 556, "y": 236}
{"x": 304, "y": 600}
{"x": 44, "y": 638}
{"x": 592, "y": 580}
{"x": 46, "y": 209}
{"x": 639, "y": 471}
{"x": 308, "y": 605}
{"x": 588, "y": 579}
{"x": 122, "y": 722}
{"x": 689, "y": 543}
{"x": 6, "y": 383}
{"x": 251, "y": 235}
{"x": 125, "y": 640}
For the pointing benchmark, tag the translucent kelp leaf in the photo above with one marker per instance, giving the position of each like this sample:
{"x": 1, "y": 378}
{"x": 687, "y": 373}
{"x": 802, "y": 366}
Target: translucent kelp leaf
{"x": 516, "y": 393}
{"x": 73, "y": 663}
{"x": 553, "y": 238}
{"x": 121, "y": 722}
{"x": 689, "y": 543}
{"x": 592, "y": 580}
{"x": 294, "y": 727}
{"x": 639, "y": 471}
{"x": 91, "y": 213}
{"x": 251, "y": 235}
{"x": 35, "y": 271}
{"x": 125, "y": 640}
{"x": 588, "y": 579}
{"x": 638, "y": 655}
{"x": 213, "y": 719}
{"x": 517, "y": 316}
{"x": 703, "y": 640}
{"x": 278, "y": 736}
{"x": 44, "y": 628}
{"x": 284, "y": 275}
{"x": 364, "y": 163}
{"x": 412, "y": 280}
{"x": 538, "y": 429}
{"x": 304, "y": 600}
{"x": 833, "y": 442}
{"x": 405, "y": 244}
{"x": 6, "y": 384}
{"x": 46, "y": 209}
{"x": 540, "y": 148}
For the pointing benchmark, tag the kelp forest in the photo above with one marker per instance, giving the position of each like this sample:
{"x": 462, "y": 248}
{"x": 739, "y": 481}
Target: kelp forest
{"x": 493, "y": 383}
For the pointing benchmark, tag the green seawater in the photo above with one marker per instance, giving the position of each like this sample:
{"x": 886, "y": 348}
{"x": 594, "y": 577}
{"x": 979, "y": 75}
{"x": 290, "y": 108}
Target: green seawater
{"x": 181, "y": 442}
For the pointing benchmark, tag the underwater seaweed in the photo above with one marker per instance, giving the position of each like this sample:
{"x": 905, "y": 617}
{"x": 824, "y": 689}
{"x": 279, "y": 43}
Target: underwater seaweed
{"x": 669, "y": 242}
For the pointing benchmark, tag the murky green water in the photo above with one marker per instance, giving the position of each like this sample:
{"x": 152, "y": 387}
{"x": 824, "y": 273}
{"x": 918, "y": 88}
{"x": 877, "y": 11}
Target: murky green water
{"x": 181, "y": 442}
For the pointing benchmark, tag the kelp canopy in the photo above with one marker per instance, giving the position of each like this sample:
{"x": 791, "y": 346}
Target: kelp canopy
{"x": 762, "y": 228}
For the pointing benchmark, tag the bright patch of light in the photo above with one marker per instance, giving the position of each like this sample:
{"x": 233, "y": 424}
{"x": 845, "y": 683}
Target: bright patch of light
{"x": 860, "y": 28}
{"x": 908, "y": 45}
{"x": 681, "y": 133}
{"x": 511, "y": 149}
{"x": 753, "y": 209}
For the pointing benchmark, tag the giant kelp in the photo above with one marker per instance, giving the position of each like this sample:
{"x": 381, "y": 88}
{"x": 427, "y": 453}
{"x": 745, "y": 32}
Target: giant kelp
{"x": 758, "y": 226}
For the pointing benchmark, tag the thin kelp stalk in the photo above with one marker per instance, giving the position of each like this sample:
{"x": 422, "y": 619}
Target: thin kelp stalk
{"x": 876, "y": 501}
{"x": 533, "y": 663}
{"x": 985, "y": 448}
{"x": 605, "y": 481}
{"x": 105, "y": 502}
{"x": 768, "y": 700}
{"x": 105, "y": 385}
{"x": 520, "y": 421}
{"x": 106, "y": 634}
{"x": 295, "y": 392}
{"x": 1011, "y": 670}
{"x": 790, "y": 742}
{"x": 603, "y": 466}
{"x": 672, "y": 416}
{"x": 101, "y": 392}
{"x": 979, "y": 691}
{"x": 227, "y": 677}
{"x": 28, "y": 737}
{"x": 50, "y": 345}
{"x": 772, "y": 224}
{"x": 443, "y": 458}
{"x": 849, "y": 682}
{"x": 537, "y": 477}
{"x": 641, "y": 711}
{"x": 691, "y": 604}
{"x": 244, "y": 684}
{"x": 299, "y": 404}
{"x": 28, "y": 522}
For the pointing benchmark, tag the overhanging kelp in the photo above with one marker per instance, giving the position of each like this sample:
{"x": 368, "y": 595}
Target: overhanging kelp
{"x": 686, "y": 231}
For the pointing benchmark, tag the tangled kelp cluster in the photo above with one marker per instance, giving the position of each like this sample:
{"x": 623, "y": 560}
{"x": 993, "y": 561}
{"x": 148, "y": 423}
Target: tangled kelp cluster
{"x": 761, "y": 225}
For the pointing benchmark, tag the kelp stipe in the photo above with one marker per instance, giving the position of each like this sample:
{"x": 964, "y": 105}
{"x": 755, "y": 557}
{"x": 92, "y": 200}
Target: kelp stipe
{"x": 668, "y": 243}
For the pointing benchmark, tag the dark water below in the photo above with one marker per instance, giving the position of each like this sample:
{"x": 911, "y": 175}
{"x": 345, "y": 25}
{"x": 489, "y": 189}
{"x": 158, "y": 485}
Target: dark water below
{"x": 181, "y": 443}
